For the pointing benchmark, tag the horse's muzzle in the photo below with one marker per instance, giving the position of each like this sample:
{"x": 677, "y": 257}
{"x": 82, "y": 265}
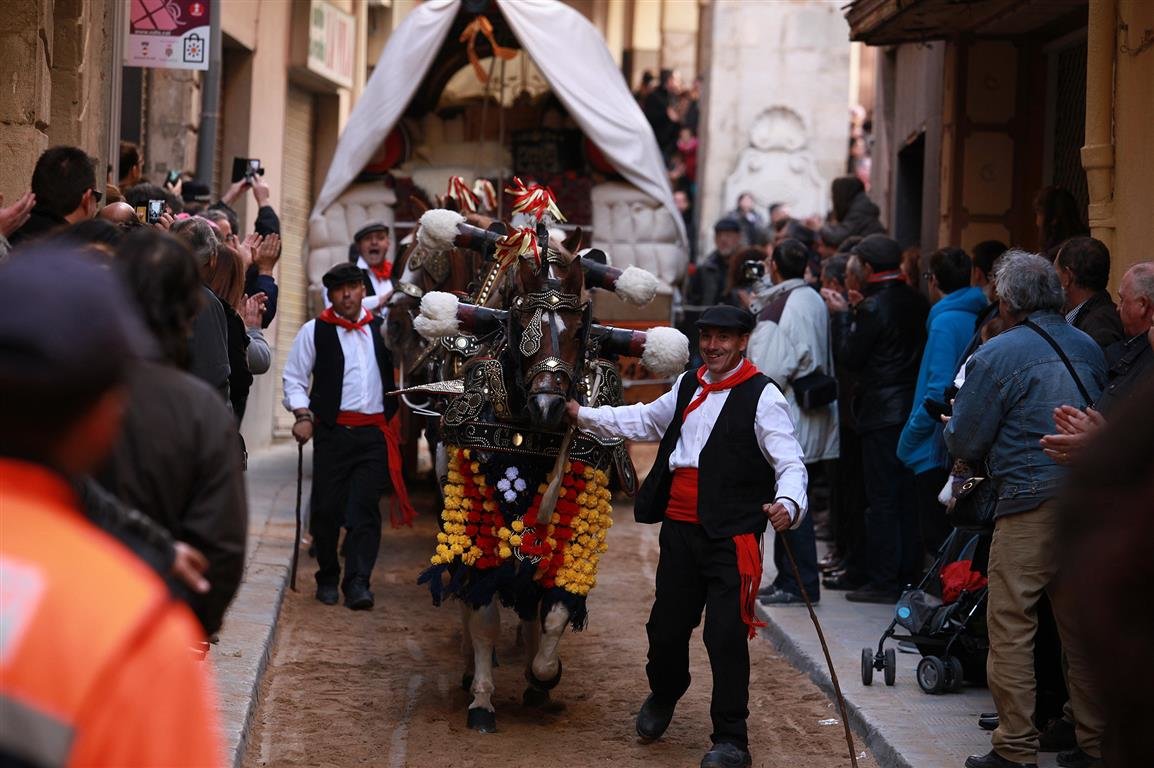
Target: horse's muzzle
{"x": 546, "y": 411}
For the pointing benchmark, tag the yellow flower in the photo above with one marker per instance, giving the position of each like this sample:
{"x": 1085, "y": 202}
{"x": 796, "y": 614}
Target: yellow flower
{"x": 515, "y": 540}
{"x": 518, "y": 525}
{"x": 504, "y": 551}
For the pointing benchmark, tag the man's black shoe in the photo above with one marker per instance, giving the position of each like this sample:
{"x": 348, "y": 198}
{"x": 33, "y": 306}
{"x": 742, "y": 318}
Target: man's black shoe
{"x": 654, "y": 718}
{"x": 1058, "y": 736}
{"x": 725, "y": 755}
{"x": 1076, "y": 758}
{"x": 993, "y": 760}
{"x": 782, "y": 597}
{"x": 870, "y": 594}
{"x": 358, "y": 597}
{"x": 328, "y": 594}
{"x": 842, "y": 581}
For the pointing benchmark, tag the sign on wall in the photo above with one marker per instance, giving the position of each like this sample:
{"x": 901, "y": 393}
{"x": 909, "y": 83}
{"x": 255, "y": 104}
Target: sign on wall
{"x": 332, "y": 42}
{"x": 168, "y": 34}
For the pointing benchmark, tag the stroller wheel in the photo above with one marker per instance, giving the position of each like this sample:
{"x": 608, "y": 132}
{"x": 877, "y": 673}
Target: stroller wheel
{"x": 932, "y": 674}
{"x": 956, "y": 675}
{"x": 891, "y": 666}
{"x": 867, "y": 666}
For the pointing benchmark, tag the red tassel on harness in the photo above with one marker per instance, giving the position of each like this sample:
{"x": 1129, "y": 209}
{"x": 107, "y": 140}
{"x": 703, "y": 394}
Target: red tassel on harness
{"x": 402, "y": 512}
{"x": 749, "y": 568}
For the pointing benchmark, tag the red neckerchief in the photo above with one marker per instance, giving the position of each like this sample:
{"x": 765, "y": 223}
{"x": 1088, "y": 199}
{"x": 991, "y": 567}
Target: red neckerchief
{"x": 382, "y": 270}
{"x": 744, "y": 373}
{"x": 329, "y": 316}
{"x": 892, "y": 274}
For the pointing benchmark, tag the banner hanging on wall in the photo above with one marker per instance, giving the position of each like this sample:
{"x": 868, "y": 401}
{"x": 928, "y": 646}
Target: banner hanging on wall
{"x": 167, "y": 34}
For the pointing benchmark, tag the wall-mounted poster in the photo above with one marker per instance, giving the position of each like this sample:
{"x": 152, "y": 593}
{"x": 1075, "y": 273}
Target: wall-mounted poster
{"x": 169, "y": 34}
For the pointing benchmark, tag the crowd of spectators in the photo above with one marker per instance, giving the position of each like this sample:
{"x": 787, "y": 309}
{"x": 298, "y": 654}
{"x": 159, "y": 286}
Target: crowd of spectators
{"x": 132, "y": 332}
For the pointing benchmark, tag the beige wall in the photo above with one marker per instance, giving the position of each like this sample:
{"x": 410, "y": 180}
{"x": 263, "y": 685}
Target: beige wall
{"x": 1133, "y": 197}
{"x": 55, "y": 70}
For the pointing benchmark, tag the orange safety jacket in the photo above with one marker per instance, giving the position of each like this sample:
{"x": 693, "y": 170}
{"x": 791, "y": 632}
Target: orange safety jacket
{"x": 95, "y": 667}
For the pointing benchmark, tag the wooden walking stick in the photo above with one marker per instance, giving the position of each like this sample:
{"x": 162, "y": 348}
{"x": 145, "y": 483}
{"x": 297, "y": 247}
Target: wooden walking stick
{"x": 297, "y": 537}
{"x": 825, "y": 649}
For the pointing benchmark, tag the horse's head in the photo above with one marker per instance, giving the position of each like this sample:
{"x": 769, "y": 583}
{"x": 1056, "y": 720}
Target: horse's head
{"x": 548, "y": 327}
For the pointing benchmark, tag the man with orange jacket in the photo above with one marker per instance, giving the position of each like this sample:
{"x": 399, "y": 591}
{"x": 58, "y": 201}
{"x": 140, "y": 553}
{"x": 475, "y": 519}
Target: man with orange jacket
{"x": 95, "y": 654}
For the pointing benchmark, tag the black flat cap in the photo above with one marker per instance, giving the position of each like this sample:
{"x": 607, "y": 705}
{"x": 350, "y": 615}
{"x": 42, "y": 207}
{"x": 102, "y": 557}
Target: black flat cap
{"x": 368, "y": 229}
{"x": 195, "y": 192}
{"x": 68, "y": 329}
{"x": 879, "y": 251}
{"x": 342, "y": 274}
{"x": 725, "y": 316}
{"x": 727, "y": 225}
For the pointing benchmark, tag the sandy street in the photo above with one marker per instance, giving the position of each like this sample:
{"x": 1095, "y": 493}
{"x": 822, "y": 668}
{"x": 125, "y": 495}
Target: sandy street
{"x": 382, "y": 688}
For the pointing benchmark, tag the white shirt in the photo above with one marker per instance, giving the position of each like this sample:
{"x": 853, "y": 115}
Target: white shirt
{"x": 772, "y": 427}
{"x": 361, "y": 389}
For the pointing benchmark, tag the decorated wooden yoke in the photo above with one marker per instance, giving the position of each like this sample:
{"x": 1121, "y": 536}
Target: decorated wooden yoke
{"x": 504, "y": 533}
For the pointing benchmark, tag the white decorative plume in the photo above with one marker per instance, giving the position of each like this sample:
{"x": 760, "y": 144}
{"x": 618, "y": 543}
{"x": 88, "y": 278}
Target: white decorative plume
{"x": 438, "y": 316}
{"x": 637, "y": 286}
{"x": 666, "y": 351}
{"x": 439, "y": 228}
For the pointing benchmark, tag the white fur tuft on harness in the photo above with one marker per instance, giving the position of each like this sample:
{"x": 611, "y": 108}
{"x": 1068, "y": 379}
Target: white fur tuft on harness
{"x": 439, "y": 228}
{"x": 637, "y": 286}
{"x": 438, "y": 317}
{"x": 666, "y": 351}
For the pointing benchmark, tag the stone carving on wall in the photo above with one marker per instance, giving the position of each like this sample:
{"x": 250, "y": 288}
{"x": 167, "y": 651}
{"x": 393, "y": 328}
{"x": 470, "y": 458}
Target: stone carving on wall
{"x": 778, "y": 167}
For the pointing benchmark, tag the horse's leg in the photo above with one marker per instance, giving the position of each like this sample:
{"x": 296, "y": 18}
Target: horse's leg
{"x": 529, "y": 631}
{"x": 545, "y": 668}
{"x": 484, "y": 627}
{"x": 466, "y": 647}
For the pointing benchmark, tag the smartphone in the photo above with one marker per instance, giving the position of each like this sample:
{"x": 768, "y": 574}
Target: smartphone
{"x": 245, "y": 168}
{"x": 141, "y": 213}
{"x": 254, "y": 168}
{"x": 155, "y": 209}
{"x": 172, "y": 177}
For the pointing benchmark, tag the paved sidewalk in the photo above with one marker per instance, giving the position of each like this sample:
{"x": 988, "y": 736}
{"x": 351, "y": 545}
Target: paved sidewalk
{"x": 902, "y": 726}
{"x": 249, "y": 629}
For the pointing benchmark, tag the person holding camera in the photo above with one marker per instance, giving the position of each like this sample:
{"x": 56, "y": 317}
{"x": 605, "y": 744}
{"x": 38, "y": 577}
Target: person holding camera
{"x": 789, "y": 344}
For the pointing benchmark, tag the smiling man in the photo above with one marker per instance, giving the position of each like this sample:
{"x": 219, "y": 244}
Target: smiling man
{"x": 370, "y": 252}
{"x": 728, "y": 464}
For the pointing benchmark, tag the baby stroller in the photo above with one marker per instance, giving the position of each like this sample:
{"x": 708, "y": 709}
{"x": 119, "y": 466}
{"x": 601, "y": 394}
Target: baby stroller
{"x": 945, "y": 618}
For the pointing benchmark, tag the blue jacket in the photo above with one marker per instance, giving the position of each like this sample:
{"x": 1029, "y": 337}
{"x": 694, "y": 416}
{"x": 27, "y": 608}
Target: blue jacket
{"x": 1013, "y": 384}
{"x": 949, "y": 327}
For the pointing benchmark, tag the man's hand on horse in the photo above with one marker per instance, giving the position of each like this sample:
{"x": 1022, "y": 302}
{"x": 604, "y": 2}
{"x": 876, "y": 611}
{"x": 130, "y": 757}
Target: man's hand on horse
{"x": 778, "y": 515}
{"x": 571, "y": 408}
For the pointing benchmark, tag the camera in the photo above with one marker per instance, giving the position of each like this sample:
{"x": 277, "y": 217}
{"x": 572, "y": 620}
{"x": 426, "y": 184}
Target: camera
{"x": 753, "y": 269}
{"x": 155, "y": 209}
{"x": 172, "y": 177}
{"x": 245, "y": 169}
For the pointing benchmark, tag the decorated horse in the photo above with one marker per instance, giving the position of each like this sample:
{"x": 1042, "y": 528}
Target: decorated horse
{"x": 527, "y": 501}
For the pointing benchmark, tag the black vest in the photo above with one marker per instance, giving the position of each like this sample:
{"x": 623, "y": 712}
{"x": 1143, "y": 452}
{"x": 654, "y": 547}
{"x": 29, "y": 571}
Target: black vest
{"x": 329, "y": 371}
{"x": 733, "y": 481}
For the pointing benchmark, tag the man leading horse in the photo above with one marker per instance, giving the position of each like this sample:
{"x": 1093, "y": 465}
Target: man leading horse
{"x": 728, "y": 463}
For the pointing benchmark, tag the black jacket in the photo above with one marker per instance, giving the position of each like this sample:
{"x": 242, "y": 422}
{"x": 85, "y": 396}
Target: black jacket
{"x": 1131, "y": 362}
{"x": 861, "y": 219}
{"x": 178, "y": 460}
{"x": 41, "y": 222}
{"x": 1098, "y": 318}
{"x": 882, "y": 342}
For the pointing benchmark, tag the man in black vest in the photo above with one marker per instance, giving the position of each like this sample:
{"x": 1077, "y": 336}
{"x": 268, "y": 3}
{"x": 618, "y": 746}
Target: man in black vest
{"x": 728, "y": 463}
{"x": 355, "y": 448}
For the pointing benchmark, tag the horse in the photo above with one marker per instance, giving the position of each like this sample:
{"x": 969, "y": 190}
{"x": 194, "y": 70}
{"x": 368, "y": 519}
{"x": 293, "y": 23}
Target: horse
{"x": 527, "y": 501}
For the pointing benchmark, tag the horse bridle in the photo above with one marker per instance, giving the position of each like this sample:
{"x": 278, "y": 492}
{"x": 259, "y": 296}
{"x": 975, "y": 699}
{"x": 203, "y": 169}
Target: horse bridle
{"x": 544, "y": 306}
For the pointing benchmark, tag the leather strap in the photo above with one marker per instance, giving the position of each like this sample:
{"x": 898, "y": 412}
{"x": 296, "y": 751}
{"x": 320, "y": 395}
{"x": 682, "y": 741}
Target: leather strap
{"x": 1069, "y": 366}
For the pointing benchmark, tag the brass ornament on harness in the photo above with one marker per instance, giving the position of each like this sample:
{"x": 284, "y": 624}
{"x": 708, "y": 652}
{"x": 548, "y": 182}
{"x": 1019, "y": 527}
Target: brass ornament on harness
{"x": 540, "y": 302}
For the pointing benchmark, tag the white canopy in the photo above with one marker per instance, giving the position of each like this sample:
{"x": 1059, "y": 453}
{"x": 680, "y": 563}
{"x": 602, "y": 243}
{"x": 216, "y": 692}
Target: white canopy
{"x": 568, "y": 50}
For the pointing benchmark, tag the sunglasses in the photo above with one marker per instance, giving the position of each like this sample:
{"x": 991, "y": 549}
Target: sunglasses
{"x": 96, "y": 195}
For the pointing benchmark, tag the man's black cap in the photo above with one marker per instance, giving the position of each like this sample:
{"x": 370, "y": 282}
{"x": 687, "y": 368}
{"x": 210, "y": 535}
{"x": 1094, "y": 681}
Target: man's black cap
{"x": 368, "y": 229}
{"x": 68, "y": 329}
{"x": 727, "y": 224}
{"x": 879, "y": 251}
{"x": 342, "y": 274}
{"x": 725, "y": 316}
{"x": 195, "y": 192}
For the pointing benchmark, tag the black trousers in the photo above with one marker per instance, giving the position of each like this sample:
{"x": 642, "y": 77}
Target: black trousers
{"x": 695, "y": 572}
{"x": 894, "y": 555}
{"x": 803, "y": 544}
{"x": 350, "y": 474}
{"x": 847, "y": 502}
{"x": 932, "y": 521}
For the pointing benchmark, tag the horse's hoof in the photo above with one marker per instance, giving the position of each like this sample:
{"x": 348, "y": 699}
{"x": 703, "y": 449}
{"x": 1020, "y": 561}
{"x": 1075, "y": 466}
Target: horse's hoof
{"x": 544, "y": 685}
{"x": 535, "y": 697}
{"x": 482, "y": 720}
{"x": 466, "y": 682}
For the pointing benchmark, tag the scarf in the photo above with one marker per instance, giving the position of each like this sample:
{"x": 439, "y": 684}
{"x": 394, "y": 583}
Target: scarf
{"x": 744, "y": 373}
{"x": 402, "y": 511}
{"x": 329, "y": 316}
{"x": 382, "y": 270}
{"x": 889, "y": 274}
